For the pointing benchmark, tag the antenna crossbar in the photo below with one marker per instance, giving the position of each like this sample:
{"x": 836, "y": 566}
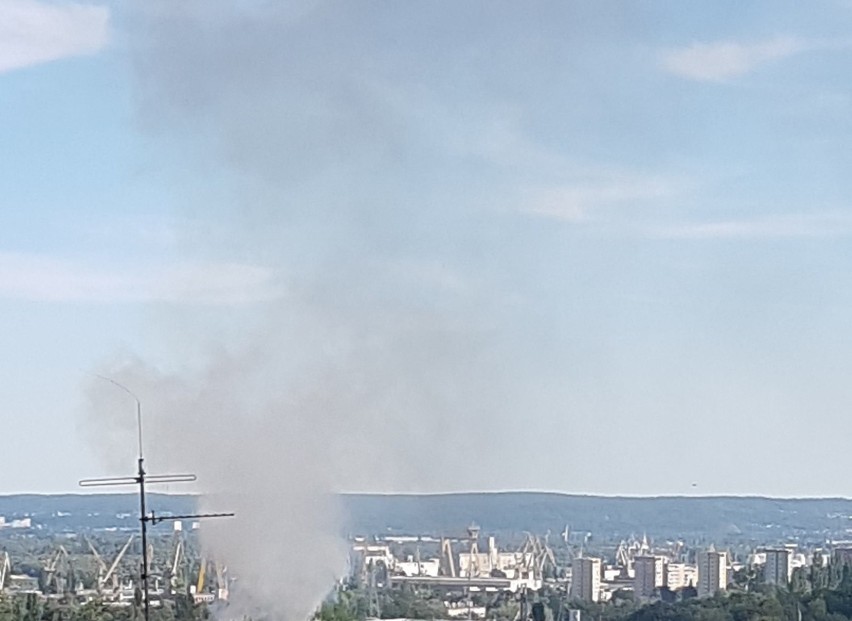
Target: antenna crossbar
{"x": 156, "y": 519}
{"x": 149, "y": 478}
{"x": 170, "y": 478}
{"x": 109, "y": 481}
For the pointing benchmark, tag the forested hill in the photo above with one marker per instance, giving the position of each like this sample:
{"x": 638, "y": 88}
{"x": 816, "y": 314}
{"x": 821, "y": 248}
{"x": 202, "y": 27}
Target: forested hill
{"x": 509, "y": 512}
{"x": 692, "y": 517}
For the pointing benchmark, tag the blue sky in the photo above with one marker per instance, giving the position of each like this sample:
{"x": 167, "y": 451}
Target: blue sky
{"x": 618, "y": 233}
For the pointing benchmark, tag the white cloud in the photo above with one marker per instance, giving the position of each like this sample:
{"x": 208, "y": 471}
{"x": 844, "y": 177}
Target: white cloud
{"x": 33, "y": 32}
{"x": 773, "y": 226}
{"x": 46, "y": 278}
{"x": 716, "y": 62}
{"x": 575, "y": 202}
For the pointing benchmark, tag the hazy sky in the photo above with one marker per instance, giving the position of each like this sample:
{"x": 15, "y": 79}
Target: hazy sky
{"x": 632, "y": 218}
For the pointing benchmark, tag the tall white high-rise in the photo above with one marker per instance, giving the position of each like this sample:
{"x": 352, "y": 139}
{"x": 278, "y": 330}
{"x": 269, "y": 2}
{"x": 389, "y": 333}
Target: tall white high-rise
{"x": 586, "y": 578}
{"x": 649, "y": 575}
{"x": 777, "y": 568}
{"x": 712, "y": 572}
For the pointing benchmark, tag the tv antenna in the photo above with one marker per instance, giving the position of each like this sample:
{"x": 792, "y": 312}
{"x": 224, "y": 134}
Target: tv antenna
{"x": 141, "y": 479}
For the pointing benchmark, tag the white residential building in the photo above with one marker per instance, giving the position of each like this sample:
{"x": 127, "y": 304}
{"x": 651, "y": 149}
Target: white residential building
{"x": 680, "y": 575}
{"x": 586, "y": 578}
{"x": 712, "y": 572}
{"x": 649, "y": 575}
{"x": 777, "y": 568}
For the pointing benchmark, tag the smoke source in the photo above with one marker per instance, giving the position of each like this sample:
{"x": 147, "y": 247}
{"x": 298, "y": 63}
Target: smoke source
{"x": 369, "y": 362}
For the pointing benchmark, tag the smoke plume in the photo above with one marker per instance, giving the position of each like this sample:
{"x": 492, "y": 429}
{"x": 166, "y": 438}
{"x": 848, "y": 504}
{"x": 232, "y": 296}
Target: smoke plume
{"x": 376, "y": 362}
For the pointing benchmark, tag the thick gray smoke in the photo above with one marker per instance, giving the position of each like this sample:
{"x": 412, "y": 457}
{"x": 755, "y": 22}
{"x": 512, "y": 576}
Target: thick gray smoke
{"x": 375, "y": 364}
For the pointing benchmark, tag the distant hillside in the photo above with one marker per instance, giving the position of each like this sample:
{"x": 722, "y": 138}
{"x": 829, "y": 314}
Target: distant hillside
{"x": 514, "y": 512}
{"x": 74, "y": 512}
{"x": 761, "y": 519}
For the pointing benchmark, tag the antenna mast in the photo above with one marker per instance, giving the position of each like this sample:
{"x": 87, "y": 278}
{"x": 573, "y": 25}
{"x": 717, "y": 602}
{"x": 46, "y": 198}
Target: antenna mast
{"x": 141, "y": 479}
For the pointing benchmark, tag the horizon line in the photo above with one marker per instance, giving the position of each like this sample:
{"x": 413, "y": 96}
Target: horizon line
{"x": 600, "y": 495}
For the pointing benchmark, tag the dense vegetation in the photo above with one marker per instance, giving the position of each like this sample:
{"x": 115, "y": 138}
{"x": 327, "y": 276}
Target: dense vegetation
{"x": 31, "y": 607}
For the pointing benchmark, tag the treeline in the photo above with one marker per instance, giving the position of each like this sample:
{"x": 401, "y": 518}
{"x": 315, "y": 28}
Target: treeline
{"x": 818, "y": 593}
{"x": 31, "y": 607}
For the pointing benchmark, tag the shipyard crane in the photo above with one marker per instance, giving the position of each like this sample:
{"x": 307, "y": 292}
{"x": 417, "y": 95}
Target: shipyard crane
{"x": 5, "y": 570}
{"x": 102, "y": 566}
{"x": 544, "y": 557}
{"x": 622, "y": 558}
{"x": 107, "y": 572}
{"x": 222, "y": 582}
{"x": 677, "y": 550}
{"x": 202, "y": 575}
{"x": 176, "y": 578}
{"x": 111, "y": 571}
{"x": 172, "y": 566}
{"x": 59, "y": 573}
{"x": 534, "y": 556}
{"x": 473, "y": 560}
{"x": 448, "y": 564}
{"x": 50, "y": 568}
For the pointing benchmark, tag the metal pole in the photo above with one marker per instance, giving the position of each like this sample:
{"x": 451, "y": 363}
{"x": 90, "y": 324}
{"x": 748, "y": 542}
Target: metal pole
{"x": 143, "y": 514}
{"x": 140, "y": 478}
{"x": 143, "y": 519}
{"x": 139, "y": 424}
